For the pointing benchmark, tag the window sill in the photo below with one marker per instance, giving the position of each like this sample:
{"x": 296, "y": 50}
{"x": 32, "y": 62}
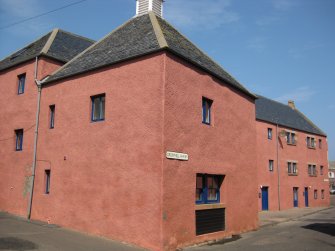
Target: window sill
{"x": 209, "y": 206}
{"x": 205, "y": 123}
{"x": 292, "y": 144}
{"x": 292, "y": 174}
{"x": 312, "y": 175}
{"x": 311, "y": 147}
{"x": 99, "y": 120}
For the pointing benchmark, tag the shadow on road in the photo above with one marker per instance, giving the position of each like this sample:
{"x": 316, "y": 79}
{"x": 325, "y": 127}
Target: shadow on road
{"x": 12, "y": 243}
{"x": 326, "y": 228}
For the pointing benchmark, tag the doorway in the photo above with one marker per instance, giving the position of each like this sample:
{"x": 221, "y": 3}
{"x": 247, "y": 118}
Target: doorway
{"x": 265, "y": 198}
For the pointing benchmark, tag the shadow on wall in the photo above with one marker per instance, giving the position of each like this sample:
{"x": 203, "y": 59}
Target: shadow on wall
{"x": 326, "y": 228}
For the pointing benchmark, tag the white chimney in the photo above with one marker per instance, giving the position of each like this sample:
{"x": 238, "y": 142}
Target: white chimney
{"x": 144, "y": 6}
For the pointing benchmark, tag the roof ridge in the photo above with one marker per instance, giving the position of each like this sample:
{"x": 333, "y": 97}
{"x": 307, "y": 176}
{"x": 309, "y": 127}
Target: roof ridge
{"x": 210, "y": 58}
{"x": 51, "y": 39}
{"x": 76, "y": 35}
{"x": 88, "y": 48}
{"x": 158, "y": 31}
{"x": 30, "y": 44}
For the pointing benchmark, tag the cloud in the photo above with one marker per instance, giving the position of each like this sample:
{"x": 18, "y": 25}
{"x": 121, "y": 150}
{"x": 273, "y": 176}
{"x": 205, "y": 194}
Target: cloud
{"x": 300, "y": 52}
{"x": 257, "y": 44}
{"x": 301, "y": 94}
{"x": 201, "y": 14}
{"x": 283, "y": 5}
{"x": 16, "y": 10}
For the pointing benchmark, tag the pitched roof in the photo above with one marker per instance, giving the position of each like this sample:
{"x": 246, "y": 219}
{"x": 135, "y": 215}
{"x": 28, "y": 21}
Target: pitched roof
{"x": 57, "y": 44}
{"x": 140, "y": 36}
{"x": 277, "y": 113}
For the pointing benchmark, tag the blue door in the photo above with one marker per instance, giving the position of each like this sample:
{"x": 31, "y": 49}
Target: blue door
{"x": 306, "y": 196}
{"x": 295, "y": 196}
{"x": 265, "y": 198}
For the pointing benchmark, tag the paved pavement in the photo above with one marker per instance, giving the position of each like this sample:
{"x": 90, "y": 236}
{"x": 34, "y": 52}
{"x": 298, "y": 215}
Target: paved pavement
{"x": 303, "y": 229}
{"x": 18, "y": 234}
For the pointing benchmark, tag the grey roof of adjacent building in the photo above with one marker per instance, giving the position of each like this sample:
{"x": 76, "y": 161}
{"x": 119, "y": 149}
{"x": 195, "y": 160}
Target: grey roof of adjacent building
{"x": 140, "y": 36}
{"x": 57, "y": 44}
{"x": 277, "y": 113}
{"x": 332, "y": 164}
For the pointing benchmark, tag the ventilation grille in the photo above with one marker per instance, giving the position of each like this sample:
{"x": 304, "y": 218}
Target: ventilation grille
{"x": 144, "y": 6}
{"x": 209, "y": 221}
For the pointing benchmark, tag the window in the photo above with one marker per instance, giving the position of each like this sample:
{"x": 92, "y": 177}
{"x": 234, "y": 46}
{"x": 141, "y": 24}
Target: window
{"x": 19, "y": 139}
{"x": 21, "y": 83}
{"x": 208, "y": 188}
{"x": 269, "y": 133}
{"x": 290, "y": 138}
{"x": 292, "y": 168}
{"x": 206, "y": 110}
{"x": 321, "y": 170}
{"x": 98, "y": 107}
{"x": 52, "y": 116}
{"x": 320, "y": 143}
{"x": 271, "y": 165}
{"x": 315, "y": 194}
{"x": 47, "y": 181}
{"x": 310, "y": 142}
{"x": 322, "y": 194}
{"x": 311, "y": 170}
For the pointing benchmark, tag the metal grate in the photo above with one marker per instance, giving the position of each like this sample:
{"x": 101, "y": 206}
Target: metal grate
{"x": 210, "y": 220}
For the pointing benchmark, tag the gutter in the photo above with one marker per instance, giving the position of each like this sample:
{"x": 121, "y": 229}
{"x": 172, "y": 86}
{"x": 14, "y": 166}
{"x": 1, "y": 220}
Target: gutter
{"x": 39, "y": 89}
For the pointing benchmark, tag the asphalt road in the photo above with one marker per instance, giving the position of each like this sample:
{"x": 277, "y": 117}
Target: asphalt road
{"x": 315, "y": 232}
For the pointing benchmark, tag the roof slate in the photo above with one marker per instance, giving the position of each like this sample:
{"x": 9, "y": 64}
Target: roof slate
{"x": 63, "y": 47}
{"x": 277, "y": 113}
{"x": 140, "y": 36}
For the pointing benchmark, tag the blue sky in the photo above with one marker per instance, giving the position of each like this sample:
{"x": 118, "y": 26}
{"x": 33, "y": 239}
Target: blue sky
{"x": 282, "y": 49}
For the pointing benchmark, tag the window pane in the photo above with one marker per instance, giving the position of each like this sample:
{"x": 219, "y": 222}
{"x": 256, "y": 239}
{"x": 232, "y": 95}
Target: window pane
{"x": 199, "y": 182}
{"x": 210, "y": 182}
{"x": 212, "y": 195}
{"x": 102, "y": 115}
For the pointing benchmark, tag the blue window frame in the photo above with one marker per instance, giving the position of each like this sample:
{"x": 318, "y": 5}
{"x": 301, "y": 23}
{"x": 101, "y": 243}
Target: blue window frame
{"x": 52, "y": 116}
{"x": 19, "y": 139}
{"x": 21, "y": 83}
{"x": 206, "y": 110}
{"x": 47, "y": 181}
{"x": 208, "y": 188}
{"x": 98, "y": 107}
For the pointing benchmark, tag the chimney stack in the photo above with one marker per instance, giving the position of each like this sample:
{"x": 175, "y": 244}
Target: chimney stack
{"x": 291, "y": 104}
{"x": 145, "y": 6}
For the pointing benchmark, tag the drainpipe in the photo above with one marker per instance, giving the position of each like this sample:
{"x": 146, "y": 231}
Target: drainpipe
{"x": 39, "y": 89}
{"x": 278, "y": 175}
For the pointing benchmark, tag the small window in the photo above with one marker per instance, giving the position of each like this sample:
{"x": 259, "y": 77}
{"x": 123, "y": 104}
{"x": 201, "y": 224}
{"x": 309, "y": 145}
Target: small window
{"x": 320, "y": 143}
{"x": 322, "y": 194}
{"x": 269, "y": 133}
{"x": 271, "y": 165}
{"x": 321, "y": 170}
{"x": 98, "y": 107}
{"x": 19, "y": 139}
{"x": 290, "y": 138}
{"x": 21, "y": 83}
{"x": 292, "y": 168}
{"x": 206, "y": 110}
{"x": 311, "y": 170}
{"x": 47, "y": 181}
{"x": 310, "y": 142}
{"x": 208, "y": 188}
{"x": 315, "y": 194}
{"x": 52, "y": 116}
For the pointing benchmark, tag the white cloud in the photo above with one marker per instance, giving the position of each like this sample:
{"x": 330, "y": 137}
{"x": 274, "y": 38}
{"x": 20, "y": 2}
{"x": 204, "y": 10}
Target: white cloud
{"x": 301, "y": 94}
{"x": 16, "y": 10}
{"x": 200, "y": 13}
{"x": 283, "y": 5}
{"x": 257, "y": 44}
{"x": 301, "y": 51}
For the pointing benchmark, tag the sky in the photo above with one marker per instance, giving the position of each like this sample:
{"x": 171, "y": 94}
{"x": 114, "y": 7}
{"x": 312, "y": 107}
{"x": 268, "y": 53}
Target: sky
{"x": 281, "y": 49}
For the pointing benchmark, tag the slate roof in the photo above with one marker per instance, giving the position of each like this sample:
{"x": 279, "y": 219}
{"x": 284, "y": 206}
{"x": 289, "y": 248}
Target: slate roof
{"x": 57, "y": 44}
{"x": 140, "y": 36}
{"x": 277, "y": 113}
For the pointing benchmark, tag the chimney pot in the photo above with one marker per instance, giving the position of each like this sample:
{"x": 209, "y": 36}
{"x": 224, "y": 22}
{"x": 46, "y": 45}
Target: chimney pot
{"x": 291, "y": 104}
